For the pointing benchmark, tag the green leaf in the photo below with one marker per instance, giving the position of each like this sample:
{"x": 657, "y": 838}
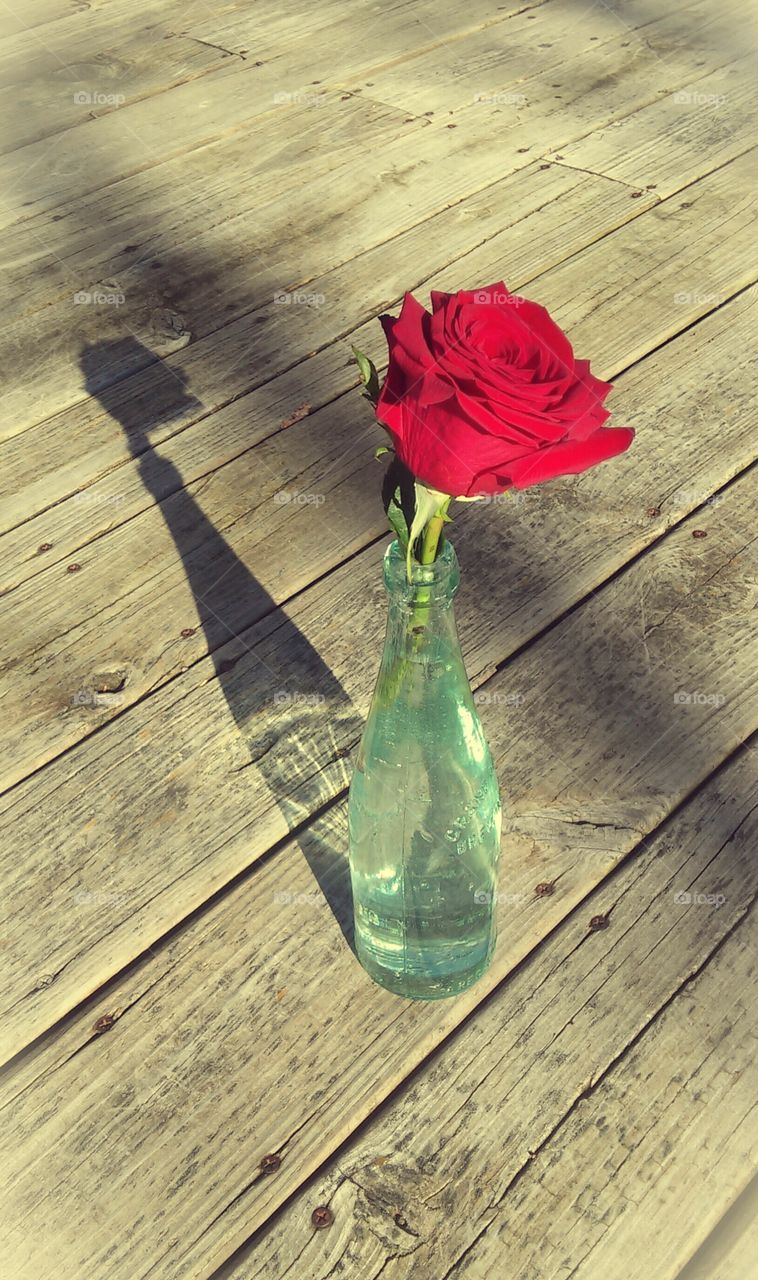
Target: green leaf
{"x": 398, "y": 498}
{"x": 380, "y": 451}
{"x": 397, "y": 522}
{"x": 369, "y": 375}
{"x": 398, "y": 479}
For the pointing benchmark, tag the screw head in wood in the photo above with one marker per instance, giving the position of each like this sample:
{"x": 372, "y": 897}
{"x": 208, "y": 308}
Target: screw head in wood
{"x": 73, "y": 568}
{"x": 104, "y": 1023}
{"x": 322, "y": 1217}
{"x": 600, "y": 922}
{"x": 44, "y": 546}
{"x": 544, "y": 888}
{"x": 699, "y": 533}
{"x": 187, "y": 632}
{"x": 270, "y": 1163}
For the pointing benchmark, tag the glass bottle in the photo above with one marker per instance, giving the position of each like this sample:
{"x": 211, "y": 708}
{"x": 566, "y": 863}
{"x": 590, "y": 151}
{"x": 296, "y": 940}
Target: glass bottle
{"x": 424, "y": 806}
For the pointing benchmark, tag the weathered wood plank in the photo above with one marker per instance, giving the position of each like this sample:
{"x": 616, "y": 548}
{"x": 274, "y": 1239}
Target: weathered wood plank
{"x": 702, "y": 124}
{"x": 570, "y": 213}
{"x": 17, "y": 17}
{"x": 554, "y": 1135}
{"x": 248, "y": 757}
{"x": 732, "y": 1246}
{"x": 554, "y": 53}
{"x": 150, "y": 47}
{"x": 156, "y": 286}
{"x": 678, "y": 1112}
{"x": 157, "y": 571}
{"x": 80, "y": 444}
{"x": 533, "y": 219}
{"x": 214, "y": 277}
{"x": 289, "y": 55}
{"x": 254, "y": 963}
{"x": 96, "y": 62}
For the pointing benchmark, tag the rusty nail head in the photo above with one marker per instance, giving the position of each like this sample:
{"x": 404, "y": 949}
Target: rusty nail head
{"x": 544, "y": 888}
{"x": 699, "y": 533}
{"x": 270, "y": 1163}
{"x": 653, "y": 511}
{"x": 44, "y": 546}
{"x": 322, "y": 1217}
{"x": 104, "y": 1023}
{"x": 599, "y": 922}
{"x": 73, "y": 568}
{"x": 635, "y": 195}
{"x": 187, "y": 632}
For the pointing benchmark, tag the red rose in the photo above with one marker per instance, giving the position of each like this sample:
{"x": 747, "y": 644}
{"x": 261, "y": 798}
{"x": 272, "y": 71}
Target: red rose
{"x": 485, "y": 393}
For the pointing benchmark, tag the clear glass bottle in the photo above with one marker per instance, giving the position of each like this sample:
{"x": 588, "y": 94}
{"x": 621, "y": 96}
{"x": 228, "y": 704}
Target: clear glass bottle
{"x": 424, "y": 807}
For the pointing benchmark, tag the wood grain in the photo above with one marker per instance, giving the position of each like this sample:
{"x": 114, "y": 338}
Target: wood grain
{"x": 173, "y": 1102}
{"x": 73, "y": 450}
{"x": 665, "y": 672}
{"x": 191, "y": 511}
{"x": 703, "y": 123}
{"x": 289, "y": 54}
{"x": 190, "y": 271}
{"x": 552, "y": 1135}
{"x": 218, "y": 546}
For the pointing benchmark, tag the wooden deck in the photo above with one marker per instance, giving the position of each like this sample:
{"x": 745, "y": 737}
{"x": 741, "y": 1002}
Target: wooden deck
{"x": 203, "y": 205}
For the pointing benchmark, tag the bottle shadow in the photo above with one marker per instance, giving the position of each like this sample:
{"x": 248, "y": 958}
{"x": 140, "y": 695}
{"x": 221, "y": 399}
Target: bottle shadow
{"x": 297, "y": 720}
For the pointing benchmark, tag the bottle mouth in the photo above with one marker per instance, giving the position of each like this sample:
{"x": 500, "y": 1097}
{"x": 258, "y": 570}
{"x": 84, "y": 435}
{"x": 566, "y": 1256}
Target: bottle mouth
{"x": 438, "y": 581}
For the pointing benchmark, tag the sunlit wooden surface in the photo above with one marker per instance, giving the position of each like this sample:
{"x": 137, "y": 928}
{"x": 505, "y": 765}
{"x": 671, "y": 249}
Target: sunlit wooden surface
{"x": 202, "y": 207}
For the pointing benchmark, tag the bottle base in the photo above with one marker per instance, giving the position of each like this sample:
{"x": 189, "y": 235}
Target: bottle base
{"x": 423, "y": 986}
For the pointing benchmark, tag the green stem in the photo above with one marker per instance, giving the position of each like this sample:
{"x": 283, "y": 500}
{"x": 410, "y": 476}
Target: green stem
{"x": 420, "y": 608}
{"x": 432, "y": 537}
{"x": 429, "y": 548}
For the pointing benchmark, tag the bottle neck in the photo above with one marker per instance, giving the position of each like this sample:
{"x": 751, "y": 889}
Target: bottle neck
{"x": 431, "y": 585}
{"x": 421, "y": 622}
